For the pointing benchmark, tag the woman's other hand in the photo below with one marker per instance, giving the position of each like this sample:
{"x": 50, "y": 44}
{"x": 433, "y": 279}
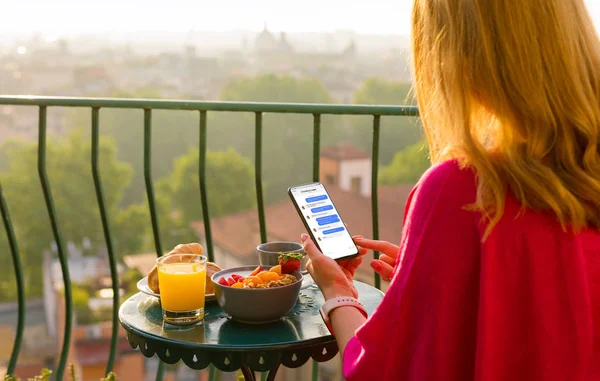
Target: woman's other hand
{"x": 333, "y": 278}
{"x": 384, "y": 266}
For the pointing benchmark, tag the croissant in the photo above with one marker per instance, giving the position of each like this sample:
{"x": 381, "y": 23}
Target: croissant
{"x": 187, "y": 248}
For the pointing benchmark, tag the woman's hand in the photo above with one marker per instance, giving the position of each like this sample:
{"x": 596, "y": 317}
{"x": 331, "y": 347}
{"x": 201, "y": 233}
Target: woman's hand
{"x": 384, "y": 266}
{"x": 333, "y": 278}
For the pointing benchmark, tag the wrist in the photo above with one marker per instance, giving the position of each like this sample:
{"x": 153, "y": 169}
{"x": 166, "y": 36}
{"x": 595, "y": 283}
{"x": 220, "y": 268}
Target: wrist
{"x": 342, "y": 307}
{"x": 334, "y": 292}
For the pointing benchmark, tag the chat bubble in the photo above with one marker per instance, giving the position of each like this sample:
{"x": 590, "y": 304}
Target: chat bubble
{"x": 316, "y": 198}
{"x": 334, "y": 230}
{"x": 321, "y": 208}
{"x": 331, "y": 219}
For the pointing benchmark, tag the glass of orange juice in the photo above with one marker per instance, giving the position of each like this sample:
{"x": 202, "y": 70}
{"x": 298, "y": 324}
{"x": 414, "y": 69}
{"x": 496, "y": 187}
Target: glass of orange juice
{"x": 182, "y": 282}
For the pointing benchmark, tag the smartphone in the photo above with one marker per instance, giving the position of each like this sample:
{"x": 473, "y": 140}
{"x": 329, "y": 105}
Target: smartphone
{"x": 322, "y": 220}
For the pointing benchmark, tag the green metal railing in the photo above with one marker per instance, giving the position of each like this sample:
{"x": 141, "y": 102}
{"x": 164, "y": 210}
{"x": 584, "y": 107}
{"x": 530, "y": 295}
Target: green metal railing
{"x": 96, "y": 104}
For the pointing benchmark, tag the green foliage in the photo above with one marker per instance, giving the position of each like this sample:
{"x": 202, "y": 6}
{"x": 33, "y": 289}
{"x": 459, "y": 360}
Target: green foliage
{"x": 129, "y": 282}
{"x": 396, "y": 132}
{"x": 173, "y": 133}
{"x": 230, "y": 189}
{"x": 46, "y": 373}
{"x": 131, "y": 230}
{"x": 44, "y": 376}
{"x": 407, "y": 166}
{"x": 68, "y": 167}
{"x": 83, "y": 313}
{"x": 287, "y": 139}
{"x": 8, "y": 290}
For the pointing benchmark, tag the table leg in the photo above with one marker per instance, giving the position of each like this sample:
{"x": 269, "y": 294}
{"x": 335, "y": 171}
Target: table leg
{"x": 273, "y": 372}
{"x": 248, "y": 373}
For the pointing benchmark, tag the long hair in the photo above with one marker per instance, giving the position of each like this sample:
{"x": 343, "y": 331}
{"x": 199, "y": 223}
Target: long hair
{"x": 512, "y": 90}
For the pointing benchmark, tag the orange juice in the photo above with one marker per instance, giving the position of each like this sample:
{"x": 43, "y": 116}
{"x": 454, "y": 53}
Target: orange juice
{"x": 182, "y": 286}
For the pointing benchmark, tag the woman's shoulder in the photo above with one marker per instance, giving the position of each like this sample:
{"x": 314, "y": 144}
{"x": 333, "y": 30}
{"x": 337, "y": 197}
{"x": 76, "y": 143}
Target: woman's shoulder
{"x": 449, "y": 179}
{"x": 445, "y": 190}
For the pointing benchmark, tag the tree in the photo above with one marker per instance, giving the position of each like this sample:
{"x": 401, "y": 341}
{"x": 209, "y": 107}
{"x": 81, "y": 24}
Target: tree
{"x": 230, "y": 183}
{"x": 131, "y": 230}
{"x": 69, "y": 171}
{"x": 287, "y": 139}
{"x": 81, "y": 304}
{"x": 173, "y": 133}
{"x": 407, "y": 166}
{"x": 396, "y": 132}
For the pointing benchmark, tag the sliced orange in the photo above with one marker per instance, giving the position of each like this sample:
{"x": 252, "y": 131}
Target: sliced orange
{"x": 253, "y": 279}
{"x": 276, "y": 269}
{"x": 268, "y": 276}
{"x": 237, "y": 285}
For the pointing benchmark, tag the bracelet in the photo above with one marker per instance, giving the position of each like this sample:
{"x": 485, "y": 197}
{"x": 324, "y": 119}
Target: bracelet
{"x": 340, "y": 301}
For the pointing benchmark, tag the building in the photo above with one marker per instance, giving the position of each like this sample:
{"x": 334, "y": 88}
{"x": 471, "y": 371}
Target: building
{"x": 90, "y": 341}
{"x": 38, "y": 348}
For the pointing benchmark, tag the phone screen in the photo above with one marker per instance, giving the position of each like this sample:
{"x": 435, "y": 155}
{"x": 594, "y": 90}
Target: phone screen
{"x": 323, "y": 220}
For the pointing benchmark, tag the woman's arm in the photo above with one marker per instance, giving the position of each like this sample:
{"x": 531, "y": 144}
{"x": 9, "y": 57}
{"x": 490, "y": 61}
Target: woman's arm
{"x": 345, "y": 321}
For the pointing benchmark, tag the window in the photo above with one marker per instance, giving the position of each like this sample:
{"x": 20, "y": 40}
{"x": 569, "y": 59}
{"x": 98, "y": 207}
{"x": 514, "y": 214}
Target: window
{"x": 330, "y": 179}
{"x": 355, "y": 184}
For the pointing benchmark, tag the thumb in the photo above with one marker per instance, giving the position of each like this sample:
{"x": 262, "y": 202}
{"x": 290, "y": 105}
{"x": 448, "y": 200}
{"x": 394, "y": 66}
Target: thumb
{"x": 309, "y": 247}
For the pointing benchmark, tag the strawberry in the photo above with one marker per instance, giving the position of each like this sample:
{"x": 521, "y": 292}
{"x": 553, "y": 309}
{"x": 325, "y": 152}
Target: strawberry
{"x": 230, "y": 281}
{"x": 289, "y": 262}
{"x": 223, "y": 281}
{"x": 237, "y": 278}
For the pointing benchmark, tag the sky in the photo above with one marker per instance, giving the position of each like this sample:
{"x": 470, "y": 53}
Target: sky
{"x": 68, "y": 17}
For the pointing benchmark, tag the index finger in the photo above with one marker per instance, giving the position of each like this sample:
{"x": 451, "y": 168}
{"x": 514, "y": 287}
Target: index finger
{"x": 382, "y": 246}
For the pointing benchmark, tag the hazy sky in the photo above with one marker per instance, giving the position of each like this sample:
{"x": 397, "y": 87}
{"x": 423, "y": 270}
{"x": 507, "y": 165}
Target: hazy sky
{"x": 67, "y": 17}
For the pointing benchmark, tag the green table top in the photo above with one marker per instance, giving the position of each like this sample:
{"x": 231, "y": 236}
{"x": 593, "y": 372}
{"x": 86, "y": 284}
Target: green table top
{"x": 303, "y": 327}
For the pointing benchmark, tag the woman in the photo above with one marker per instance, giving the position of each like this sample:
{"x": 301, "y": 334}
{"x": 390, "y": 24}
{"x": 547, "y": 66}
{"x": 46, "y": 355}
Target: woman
{"x": 497, "y": 276}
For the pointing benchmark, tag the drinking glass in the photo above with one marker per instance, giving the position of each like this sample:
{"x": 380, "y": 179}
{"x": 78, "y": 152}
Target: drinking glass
{"x": 182, "y": 282}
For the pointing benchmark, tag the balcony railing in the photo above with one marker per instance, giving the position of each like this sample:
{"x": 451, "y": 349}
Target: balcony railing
{"x": 95, "y": 104}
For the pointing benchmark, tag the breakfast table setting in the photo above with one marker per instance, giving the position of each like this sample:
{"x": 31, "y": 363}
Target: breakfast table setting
{"x": 253, "y": 318}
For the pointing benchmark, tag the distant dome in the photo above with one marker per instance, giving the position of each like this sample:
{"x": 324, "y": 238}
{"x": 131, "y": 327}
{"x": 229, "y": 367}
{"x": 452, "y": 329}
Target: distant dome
{"x": 265, "y": 40}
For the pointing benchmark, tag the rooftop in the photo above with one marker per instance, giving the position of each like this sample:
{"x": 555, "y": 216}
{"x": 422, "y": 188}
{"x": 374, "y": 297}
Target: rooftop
{"x": 343, "y": 152}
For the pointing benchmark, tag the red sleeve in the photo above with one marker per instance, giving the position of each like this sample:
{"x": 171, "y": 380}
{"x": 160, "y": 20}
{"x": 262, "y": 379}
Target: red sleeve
{"x": 516, "y": 307}
{"x": 430, "y": 308}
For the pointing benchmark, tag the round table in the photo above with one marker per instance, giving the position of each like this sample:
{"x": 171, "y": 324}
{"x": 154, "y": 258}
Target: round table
{"x": 230, "y": 345}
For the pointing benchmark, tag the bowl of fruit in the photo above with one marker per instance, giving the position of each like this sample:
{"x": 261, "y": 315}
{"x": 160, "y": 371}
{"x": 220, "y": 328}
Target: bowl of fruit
{"x": 259, "y": 294}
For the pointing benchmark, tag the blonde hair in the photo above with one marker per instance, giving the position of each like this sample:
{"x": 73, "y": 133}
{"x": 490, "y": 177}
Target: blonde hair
{"x": 512, "y": 89}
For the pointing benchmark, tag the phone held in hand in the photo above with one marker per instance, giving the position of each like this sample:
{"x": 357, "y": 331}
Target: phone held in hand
{"x": 322, "y": 220}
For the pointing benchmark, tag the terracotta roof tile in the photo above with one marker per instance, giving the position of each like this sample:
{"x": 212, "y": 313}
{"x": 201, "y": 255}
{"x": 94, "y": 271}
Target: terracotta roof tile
{"x": 343, "y": 152}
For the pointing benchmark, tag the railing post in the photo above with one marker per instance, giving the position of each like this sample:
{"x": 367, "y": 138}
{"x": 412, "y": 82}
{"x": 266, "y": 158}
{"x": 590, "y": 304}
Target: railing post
{"x": 114, "y": 276}
{"x": 64, "y": 265}
{"x": 203, "y": 190}
{"x": 258, "y": 176}
{"x": 316, "y": 178}
{"x": 374, "y": 195}
{"x": 151, "y": 199}
{"x": 14, "y": 249}
{"x": 316, "y": 146}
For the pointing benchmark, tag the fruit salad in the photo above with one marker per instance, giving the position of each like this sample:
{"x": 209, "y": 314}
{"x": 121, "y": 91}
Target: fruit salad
{"x": 259, "y": 278}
